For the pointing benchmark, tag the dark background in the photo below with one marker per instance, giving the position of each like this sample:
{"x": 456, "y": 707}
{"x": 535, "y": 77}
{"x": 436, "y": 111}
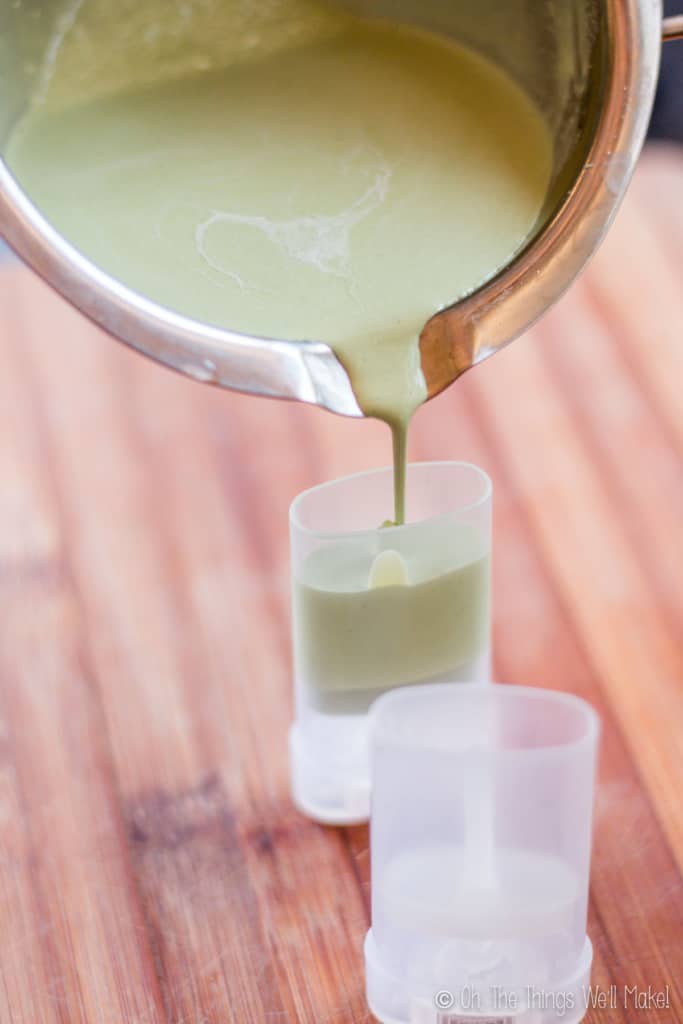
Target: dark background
{"x": 667, "y": 119}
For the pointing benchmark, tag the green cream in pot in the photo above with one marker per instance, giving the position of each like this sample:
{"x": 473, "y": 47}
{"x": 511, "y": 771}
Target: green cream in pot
{"x": 341, "y": 183}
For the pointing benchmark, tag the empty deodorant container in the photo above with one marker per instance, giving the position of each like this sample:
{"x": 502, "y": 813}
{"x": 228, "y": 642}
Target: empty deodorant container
{"x": 480, "y": 844}
{"x": 376, "y": 607}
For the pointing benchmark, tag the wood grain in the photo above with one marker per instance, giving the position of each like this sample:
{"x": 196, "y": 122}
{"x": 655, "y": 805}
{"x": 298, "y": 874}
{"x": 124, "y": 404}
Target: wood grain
{"x": 152, "y": 869}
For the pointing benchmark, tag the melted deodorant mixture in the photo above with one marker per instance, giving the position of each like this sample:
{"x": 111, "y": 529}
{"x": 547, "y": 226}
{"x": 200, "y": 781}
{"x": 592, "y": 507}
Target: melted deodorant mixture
{"x": 342, "y": 189}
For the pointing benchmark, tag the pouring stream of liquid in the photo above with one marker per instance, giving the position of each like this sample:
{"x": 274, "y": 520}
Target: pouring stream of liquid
{"x": 340, "y": 189}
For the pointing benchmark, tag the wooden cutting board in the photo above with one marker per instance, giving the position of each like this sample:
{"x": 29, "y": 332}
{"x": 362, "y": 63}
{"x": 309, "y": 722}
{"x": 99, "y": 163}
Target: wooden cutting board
{"x": 152, "y": 868}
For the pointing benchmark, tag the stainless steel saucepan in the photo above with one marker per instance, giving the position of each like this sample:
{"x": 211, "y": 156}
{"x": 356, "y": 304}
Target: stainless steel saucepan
{"x": 590, "y": 65}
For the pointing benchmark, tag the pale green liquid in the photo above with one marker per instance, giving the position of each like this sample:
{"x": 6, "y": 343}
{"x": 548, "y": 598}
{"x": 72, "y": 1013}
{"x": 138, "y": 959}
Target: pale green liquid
{"x": 342, "y": 190}
{"x": 352, "y": 642}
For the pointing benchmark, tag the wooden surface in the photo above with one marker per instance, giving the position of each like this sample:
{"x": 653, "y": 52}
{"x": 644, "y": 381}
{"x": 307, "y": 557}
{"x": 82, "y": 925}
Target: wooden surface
{"x": 152, "y": 868}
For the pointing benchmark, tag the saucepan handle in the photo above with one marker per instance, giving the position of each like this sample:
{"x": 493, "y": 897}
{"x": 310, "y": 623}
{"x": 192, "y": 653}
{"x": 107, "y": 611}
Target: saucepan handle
{"x": 673, "y": 28}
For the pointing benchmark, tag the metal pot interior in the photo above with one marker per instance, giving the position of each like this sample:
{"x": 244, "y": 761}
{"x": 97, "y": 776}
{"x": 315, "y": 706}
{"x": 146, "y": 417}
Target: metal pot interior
{"x": 59, "y": 52}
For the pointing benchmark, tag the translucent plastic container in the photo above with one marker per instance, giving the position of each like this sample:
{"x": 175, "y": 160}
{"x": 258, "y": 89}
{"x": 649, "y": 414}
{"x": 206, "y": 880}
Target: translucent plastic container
{"x": 375, "y": 607}
{"x": 480, "y": 844}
